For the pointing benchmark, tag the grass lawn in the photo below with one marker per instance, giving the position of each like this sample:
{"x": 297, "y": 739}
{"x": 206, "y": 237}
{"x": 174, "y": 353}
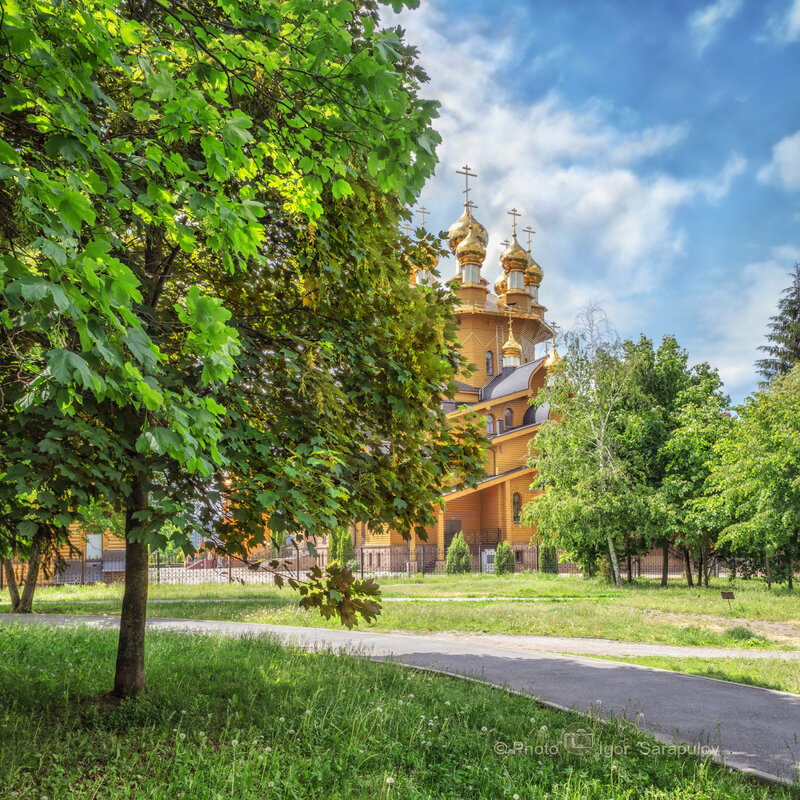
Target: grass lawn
{"x": 249, "y": 719}
{"x": 753, "y": 600}
{"x": 578, "y": 618}
{"x": 770, "y": 673}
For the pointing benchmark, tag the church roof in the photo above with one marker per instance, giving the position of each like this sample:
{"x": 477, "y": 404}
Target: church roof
{"x": 465, "y": 387}
{"x": 510, "y": 380}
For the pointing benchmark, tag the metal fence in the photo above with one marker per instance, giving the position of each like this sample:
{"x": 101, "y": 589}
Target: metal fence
{"x": 390, "y": 561}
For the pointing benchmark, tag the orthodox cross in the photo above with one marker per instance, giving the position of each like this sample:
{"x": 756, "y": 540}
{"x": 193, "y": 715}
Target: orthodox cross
{"x": 467, "y": 175}
{"x": 469, "y": 205}
{"x": 505, "y": 243}
{"x": 555, "y": 328}
{"x": 423, "y": 212}
{"x": 514, "y": 213}
{"x": 406, "y": 226}
{"x": 529, "y": 231}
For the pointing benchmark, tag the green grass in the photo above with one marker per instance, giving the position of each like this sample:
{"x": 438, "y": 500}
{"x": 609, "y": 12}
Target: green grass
{"x": 579, "y": 618}
{"x": 753, "y": 600}
{"x": 767, "y": 672}
{"x": 250, "y": 719}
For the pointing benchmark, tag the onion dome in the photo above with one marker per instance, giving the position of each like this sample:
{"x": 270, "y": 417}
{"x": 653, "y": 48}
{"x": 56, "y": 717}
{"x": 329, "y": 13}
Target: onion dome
{"x": 471, "y": 250}
{"x": 500, "y": 286}
{"x": 554, "y": 359}
{"x": 460, "y": 228}
{"x": 533, "y": 271}
{"x": 511, "y": 347}
{"x": 514, "y": 257}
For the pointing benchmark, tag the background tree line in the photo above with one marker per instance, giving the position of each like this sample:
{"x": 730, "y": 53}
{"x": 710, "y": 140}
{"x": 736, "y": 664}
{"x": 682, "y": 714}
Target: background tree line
{"x": 646, "y": 451}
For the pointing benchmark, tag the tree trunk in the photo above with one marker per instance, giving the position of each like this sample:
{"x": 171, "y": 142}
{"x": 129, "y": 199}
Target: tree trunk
{"x": 688, "y": 560}
{"x": 34, "y": 561}
{"x": 630, "y": 569}
{"x": 612, "y": 554}
{"x": 769, "y": 574}
{"x": 664, "y": 564}
{"x": 11, "y": 580}
{"x": 129, "y": 676}
{"x": 700, "y": 568}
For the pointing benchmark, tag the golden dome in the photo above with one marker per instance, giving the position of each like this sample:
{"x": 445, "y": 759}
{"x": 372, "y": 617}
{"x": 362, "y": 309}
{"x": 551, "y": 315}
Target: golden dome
{"x": 511, "y": 346}
{"x": 533, "y": 270}
{"x": 471, "y": 250}
{"x": 500, "y": 286}
{"x": 460, "y": 228}
{"x": 514, "y": 257}
{"x": 554, "y": 359}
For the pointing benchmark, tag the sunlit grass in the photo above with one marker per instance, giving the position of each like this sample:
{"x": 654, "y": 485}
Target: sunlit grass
{"x": 249, "y": 719}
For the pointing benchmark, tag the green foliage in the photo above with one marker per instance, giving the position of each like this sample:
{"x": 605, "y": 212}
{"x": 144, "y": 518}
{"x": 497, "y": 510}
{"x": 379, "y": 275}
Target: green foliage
{"x": 504, "y": 563}
{"x": 458, "y": 559}
{"x": 548, "y": 559}
{"x": 340, "y": 549}
{"x": 209, "y": 319}
{"x": 755, "y": 491}
{"x": 783, "y": 348}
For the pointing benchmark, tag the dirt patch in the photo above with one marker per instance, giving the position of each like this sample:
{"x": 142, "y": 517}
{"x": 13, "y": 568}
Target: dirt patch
{"x": 787, "y": 633}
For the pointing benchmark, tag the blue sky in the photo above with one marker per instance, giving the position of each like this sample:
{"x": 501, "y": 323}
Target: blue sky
{"x": 654, "y": 147}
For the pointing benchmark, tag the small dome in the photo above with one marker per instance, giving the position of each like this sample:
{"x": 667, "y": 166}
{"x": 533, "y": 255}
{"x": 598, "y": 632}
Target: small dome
{"x": 533, "y": 270}
{"x": 471, "y": 250}
{"x": 460, "y": 228}
{"x": 500, "y": 286}
{"x": 554, "y": 359}
{"x": 511, "y": 346}
{"x": 514, "y": 257}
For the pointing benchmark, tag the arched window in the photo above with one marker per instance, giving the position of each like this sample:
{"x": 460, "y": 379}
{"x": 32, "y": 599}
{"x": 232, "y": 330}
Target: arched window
{"x": 516, "y": 501}
{"x": 490, "y": 425}
{"x": 489, "y": 362}
{"x": 507, "y": 418}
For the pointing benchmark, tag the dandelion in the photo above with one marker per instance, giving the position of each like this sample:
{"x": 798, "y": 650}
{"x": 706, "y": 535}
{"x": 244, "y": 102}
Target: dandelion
{"x": 267, "y": 750}
{"x": 427, "y": 744}
{"x": 390, "y": 780}
{"x": 270, "y": 785}
{"x": 411, "y": 697}
{"x": 447, "y": 702}
{"x": 484, "y": 729}
{"x": 308, "y": 712}
{"x": 399, "y": 702}
{"x": 515, "y": 797}
{"x": 234, "y": 742}
{"x": 183, "y": 713}
{"x": 183, "y": 736}
{"x": 291, "y": 731}
{"x": 174, "y": 730}
{"x": 533, "y": 720}
{"x": 261, "y": 758}
{"x": 280, "y": 719}
{"x": 379, "y": 710}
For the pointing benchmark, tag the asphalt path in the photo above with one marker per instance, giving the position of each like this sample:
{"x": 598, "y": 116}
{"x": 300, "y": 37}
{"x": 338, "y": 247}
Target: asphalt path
{"x": 748, "y": 728}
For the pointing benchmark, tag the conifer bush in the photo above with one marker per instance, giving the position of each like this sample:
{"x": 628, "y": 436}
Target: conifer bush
{"x": 458, "y": 560}
{"x": 504, "y": 559}
{"x": 548, "y": 560}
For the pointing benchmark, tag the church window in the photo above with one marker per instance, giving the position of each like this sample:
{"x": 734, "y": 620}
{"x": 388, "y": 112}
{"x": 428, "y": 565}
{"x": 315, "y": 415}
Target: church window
{"x": 508, "y": 418}
{"x": 515, "y": 280}
{"x": 490, "y": 425}
{"x": 489, "y": 362}
{"x": 516, "y": 501}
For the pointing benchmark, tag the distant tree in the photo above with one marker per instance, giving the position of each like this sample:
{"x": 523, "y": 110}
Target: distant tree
{"x": 458, "y": 560}
{"x": 592, "y": 495}
{"x": 688, "y": 456}
{"x": 783, "y": 348}
{"x": 341, "y": 547}
{"x": 504, "y": 559}
{"x": 755, "y": 479}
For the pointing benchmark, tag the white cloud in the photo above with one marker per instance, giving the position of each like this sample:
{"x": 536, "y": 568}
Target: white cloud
{"x": 783, "y": 170}
{"x": 705, "y": 24}
{"x": 785, "y": 28}
{"x": 732, "y": 312}
{"x": 606, "y": 218}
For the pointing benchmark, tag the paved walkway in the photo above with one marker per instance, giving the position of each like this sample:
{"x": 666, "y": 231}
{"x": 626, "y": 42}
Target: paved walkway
{"x": 752, "y": 729}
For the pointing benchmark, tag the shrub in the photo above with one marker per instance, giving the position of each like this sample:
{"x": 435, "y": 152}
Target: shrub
{"x": 341, "y": 547}
{"x": 458, "y": 560}
{"x": 504, "y": 559}
{"x": 548, "y": 559}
